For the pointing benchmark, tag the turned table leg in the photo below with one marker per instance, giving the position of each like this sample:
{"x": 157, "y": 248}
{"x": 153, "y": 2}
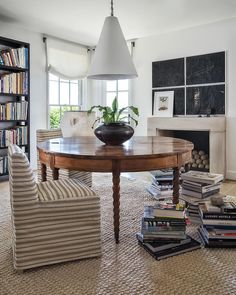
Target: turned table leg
{"x": 176, "y": 173}
{"x": 55, "y": 173}
{"x": 116, "y": 199}
{"x": 43, "y": 172}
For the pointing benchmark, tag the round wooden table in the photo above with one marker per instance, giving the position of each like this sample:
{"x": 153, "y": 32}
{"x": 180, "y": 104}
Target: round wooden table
{"x": 144, "y": 153}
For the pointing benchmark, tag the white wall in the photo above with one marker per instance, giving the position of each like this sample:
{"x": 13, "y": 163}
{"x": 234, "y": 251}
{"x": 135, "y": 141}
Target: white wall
{"x": 193, "y": 41}
{"x": 37, "y": 79}
{"x": 198, "y": 40}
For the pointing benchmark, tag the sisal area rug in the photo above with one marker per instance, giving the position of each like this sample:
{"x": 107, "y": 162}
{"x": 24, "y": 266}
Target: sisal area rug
{"x": 124, "y": 268}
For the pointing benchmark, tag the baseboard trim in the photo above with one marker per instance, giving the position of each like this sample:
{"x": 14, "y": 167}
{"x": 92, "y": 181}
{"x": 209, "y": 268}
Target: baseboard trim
{"x": 231, "y": 175}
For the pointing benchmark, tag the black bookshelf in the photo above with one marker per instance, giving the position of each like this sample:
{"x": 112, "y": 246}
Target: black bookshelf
{"x": 7, "y": 45}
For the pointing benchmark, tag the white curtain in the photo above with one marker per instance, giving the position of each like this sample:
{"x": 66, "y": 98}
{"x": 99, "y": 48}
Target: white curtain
{"x": 67, "y": 60}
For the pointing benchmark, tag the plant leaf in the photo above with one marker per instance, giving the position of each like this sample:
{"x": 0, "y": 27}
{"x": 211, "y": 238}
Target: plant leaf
{"x": 134, "y": 110}
{"x": 115, "y": 105}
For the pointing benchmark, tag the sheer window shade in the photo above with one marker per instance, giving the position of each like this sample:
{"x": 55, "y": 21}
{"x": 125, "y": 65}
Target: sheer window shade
{"x": 67, "y": 60}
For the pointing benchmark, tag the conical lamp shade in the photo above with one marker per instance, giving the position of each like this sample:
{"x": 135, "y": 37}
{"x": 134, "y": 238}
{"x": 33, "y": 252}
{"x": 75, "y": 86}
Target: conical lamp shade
{"x": 112, "y": 60}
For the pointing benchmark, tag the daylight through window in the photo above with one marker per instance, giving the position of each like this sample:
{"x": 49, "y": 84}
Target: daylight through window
{"x": 64, "y": 95}
{"x": 119, "y": 89}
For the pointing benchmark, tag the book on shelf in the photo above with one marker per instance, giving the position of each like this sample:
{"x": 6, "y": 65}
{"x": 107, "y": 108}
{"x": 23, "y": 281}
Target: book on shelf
{"x": 14, "y": 110}
{"x": 18, "y": 135}
{"x": 202, "y": 177}
{"x": 14, "y": 83}
{"x": 14, "y": 57}
{"x": 158, "y": 245}
{"x": 175, "y": 250}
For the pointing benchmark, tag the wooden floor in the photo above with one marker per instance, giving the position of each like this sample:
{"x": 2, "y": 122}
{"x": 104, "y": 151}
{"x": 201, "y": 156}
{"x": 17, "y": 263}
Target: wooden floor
{"x": 229, "y": 187}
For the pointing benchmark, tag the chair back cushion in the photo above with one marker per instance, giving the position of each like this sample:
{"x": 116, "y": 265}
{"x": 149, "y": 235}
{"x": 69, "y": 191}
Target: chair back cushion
{"x": 46, "y": 134}
{"x": 23, "y": 188}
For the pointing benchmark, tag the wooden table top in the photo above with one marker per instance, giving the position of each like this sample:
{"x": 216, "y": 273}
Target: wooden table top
{"x": 136, "y": 147}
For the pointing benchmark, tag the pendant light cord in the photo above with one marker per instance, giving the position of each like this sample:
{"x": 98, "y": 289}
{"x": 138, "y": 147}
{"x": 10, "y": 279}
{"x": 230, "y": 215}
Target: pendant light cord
{"x": 112, "y": 13}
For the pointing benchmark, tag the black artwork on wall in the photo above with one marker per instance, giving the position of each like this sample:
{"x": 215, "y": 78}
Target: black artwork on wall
{"x": 206, "y": 68}
{"x": 168, "y": 73}
{"x": 200, "y": 70}
{"x": 179, "y": 101}
{"x": 205, "y": 100}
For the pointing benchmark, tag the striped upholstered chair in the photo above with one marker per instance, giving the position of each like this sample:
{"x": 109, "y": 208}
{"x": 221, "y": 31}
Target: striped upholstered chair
{"x": 46, "y": 134}
{"x": 53, "y": 221}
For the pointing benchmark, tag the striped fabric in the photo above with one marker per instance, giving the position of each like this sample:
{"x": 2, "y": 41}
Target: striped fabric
{"x": 46, "y": 134}
{"x": 53, "y": 221}
{"x": 54, "y": 190}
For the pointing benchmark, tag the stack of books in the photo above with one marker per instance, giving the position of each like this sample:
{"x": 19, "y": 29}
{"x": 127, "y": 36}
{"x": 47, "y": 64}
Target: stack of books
{"x": 197, "y": 187}
{"x": 162, "y": 184}
{"x": 218, "y": 228}
{"x": 163, "y": 231}
{"x": 192, "y": 205}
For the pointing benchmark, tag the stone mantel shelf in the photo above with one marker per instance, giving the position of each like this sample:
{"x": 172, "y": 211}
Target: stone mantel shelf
{"x": 216, "y": 126}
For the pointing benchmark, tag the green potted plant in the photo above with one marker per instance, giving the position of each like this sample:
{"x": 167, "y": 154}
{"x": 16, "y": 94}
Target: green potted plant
{"x": 115, "y": 128}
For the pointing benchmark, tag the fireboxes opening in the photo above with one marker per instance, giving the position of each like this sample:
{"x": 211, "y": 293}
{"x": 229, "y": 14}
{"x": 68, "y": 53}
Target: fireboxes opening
{"x": 200, "y": 153}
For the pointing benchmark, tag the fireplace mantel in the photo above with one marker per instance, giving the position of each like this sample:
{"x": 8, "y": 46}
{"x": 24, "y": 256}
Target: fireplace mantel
{"x": 216, "y": 126}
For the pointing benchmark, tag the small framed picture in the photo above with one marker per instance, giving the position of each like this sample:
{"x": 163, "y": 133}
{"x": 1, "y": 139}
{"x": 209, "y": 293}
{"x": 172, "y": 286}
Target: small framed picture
{"x": 163, "y": 103}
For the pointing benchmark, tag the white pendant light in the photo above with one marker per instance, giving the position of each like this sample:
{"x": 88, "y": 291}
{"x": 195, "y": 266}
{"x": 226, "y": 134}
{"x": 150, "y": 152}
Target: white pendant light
{"x": 112, "y": 60}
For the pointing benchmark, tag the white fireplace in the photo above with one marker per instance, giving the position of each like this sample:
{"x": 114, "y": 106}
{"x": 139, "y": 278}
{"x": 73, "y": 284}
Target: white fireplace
{"x": 216, "y": 126}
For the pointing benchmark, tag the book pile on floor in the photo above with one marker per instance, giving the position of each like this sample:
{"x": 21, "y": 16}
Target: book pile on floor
{"x": 162, "y": 184}
{"x": 197, "y": 187}
{"x": 163, "y": 231}
{"x": 218, "y": 218}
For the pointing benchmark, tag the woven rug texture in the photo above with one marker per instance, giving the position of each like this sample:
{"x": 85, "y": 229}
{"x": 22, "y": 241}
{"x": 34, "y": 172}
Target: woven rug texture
{"x": 125, "y": 268}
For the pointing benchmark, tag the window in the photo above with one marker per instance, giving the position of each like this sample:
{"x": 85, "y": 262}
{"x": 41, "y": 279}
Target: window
{"x": 119, "y": 89}
{"x": 64, "y": 95}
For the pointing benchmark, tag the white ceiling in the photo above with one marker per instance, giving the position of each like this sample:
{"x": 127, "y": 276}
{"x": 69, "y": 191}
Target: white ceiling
{"x": 82, "y": 20}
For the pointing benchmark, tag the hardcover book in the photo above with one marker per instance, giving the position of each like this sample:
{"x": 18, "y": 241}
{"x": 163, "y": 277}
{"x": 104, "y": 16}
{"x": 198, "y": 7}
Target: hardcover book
{"x": 202, "y": 177}
{"x": 159, "y": 245}
{"x": 218, "y": 213}
{"x": 217, "y": 243}
{"x": 200, "y": 195}
{"x": 212, "y": 234}
{"x": 175, "y": 250}
{"x": 168, "y": 210}
{"x": 151, "y": 238}
{"x": 150, "y": 214}
{"x": 200, "y": 187}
